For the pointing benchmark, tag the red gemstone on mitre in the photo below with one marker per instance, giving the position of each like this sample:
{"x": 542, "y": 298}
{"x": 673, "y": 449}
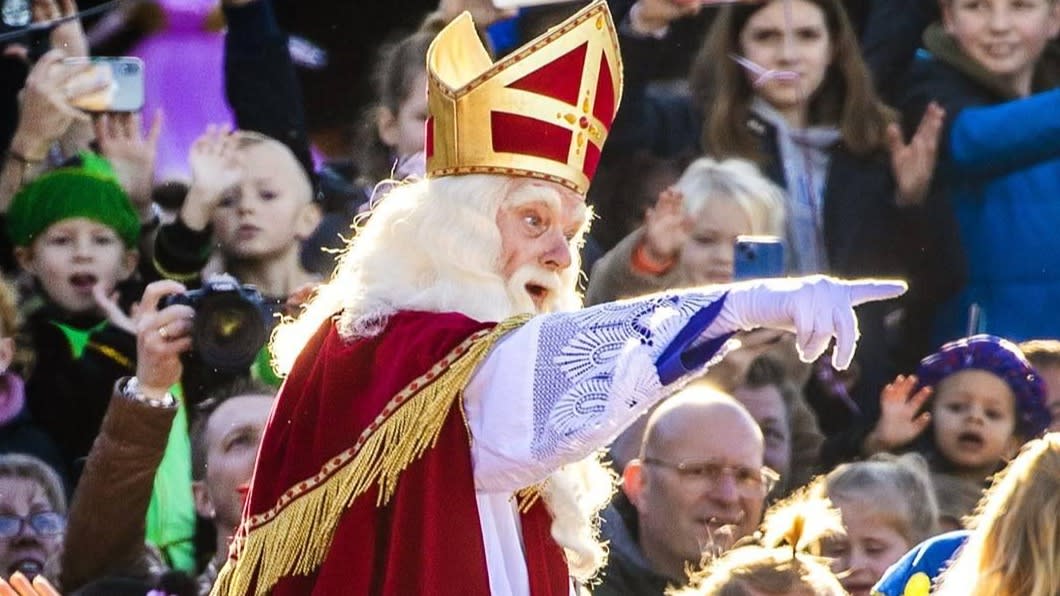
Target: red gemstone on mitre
{"x": 583, "y": 122}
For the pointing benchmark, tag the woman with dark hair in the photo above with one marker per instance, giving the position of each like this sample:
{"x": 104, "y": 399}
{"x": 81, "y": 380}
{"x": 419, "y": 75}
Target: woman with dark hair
{"x": 782, "y": 83}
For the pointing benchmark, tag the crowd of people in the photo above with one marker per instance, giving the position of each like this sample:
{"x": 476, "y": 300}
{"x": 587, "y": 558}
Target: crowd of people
{"x": 684, "y": 432}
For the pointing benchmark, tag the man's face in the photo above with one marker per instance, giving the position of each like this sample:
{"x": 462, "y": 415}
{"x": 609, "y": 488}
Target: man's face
{"x": 74, "y": 255}
{"x": 683, "y": 513}
{"x": 539, "y": 224}
{"x": 270, "y": 212}
{"x": 766, "y": 406}
{"x": 232, "y": 437}
{"x": 27, "y": 551}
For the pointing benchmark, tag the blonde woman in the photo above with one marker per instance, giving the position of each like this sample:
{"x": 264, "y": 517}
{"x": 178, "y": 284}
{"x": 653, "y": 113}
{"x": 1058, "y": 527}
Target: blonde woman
{"x": 1014, "y": 548}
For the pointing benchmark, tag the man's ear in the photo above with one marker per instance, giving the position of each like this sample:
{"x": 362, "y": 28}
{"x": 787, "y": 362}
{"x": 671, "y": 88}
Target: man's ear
{"x": 307, "y": 220}
{"x": 203, "y": 505}
{"x": 128, "y": 264}
{"x": 633, "y": 482}
{"x": 24, "y": 256}
{"x": 386, "y": 124}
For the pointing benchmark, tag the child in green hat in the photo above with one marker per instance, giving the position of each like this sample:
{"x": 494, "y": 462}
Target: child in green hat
{"x": 75, "y": 232}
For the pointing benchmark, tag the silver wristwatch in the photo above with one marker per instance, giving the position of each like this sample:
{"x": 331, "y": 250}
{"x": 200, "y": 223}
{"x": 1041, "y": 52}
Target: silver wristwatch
{"x": 131, "y": 390}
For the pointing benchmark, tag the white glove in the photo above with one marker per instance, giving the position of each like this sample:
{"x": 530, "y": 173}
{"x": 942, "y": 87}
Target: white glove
{"x": 815, "y": 308}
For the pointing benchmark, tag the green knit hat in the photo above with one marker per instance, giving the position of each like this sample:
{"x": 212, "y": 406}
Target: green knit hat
{"x": 89, "y": 190}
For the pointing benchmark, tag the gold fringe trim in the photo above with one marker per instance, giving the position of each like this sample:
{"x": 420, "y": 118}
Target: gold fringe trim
{"x": 294, "y": 536}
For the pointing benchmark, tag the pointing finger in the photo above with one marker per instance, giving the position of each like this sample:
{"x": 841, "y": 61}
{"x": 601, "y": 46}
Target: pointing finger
{"x": 870, "y": 290}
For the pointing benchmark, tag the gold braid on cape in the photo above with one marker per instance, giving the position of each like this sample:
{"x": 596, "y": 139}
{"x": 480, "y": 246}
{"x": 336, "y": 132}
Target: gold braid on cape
{"x": 293, "y": 537}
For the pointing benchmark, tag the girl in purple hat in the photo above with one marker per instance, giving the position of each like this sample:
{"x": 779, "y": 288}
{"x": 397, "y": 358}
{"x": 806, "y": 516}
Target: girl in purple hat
{"x": 977, "y": 398}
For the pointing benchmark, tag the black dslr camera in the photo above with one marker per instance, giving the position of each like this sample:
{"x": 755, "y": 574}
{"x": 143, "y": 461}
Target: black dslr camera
{"x": 229, "y": 328}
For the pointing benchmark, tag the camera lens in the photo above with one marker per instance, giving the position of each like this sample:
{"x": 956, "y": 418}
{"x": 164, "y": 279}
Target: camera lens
{"x": 229, "y": 331}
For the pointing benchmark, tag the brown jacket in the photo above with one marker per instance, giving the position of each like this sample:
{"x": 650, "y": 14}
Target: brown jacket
{"x": 106, "y": 527}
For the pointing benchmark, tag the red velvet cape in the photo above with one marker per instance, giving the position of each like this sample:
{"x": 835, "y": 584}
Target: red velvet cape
{"x": 426, "y": 538}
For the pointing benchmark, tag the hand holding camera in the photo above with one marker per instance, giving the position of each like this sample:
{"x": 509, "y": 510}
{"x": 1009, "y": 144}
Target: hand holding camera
{"x": 163, "y": 333}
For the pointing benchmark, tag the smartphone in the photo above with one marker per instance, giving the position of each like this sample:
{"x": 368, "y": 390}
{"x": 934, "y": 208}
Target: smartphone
{"x": 757, "y": 257}
{"x": 125, "y": 93}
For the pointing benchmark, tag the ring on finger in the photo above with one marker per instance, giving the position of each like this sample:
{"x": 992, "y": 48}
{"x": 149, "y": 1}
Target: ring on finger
{"x": 162, "y": 331}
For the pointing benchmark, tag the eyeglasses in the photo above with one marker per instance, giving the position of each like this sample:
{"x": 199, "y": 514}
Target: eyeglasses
{"x": 749, "y": 481}
{"x": 45, "y": 523}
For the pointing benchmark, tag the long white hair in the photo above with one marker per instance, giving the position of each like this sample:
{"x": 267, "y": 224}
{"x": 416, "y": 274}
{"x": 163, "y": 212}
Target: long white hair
{"x": 434, "y": 245}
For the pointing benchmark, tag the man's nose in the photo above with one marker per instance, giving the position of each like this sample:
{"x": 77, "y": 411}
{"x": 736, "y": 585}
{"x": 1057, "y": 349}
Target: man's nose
{"x": 557, "y": 256}
{"x": 724, "y": 489}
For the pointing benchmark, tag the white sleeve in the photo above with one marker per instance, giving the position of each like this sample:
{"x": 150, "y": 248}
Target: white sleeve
{"x": 566, "y": 384}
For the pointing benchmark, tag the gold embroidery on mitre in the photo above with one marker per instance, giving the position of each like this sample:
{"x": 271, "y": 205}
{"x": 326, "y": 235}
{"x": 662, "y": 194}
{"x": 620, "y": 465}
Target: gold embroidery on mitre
{"x": 543, "y": 111}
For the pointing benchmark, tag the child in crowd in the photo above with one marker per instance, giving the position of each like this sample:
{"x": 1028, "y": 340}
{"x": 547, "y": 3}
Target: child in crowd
{"x": 999, "y": 161}
{"x": 1044, "y": 355}
{"x": 781, "y": 561}
{"x": 887, "y": 505}
{"x": 75, "y": 233}
{"x": 393, "y": 129}
{"x": 1014, "y": 549}
{"x": 987, "y": 401}
{"x": 251, "y": 199}
{"x": 689, "y": 236}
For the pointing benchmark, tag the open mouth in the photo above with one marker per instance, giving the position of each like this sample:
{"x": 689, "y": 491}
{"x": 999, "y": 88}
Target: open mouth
{"x": 538, "y": 293}
{"x": 83, "y": 281}
{"x": 29, "y": 566}
{"x": 970, "y": 440}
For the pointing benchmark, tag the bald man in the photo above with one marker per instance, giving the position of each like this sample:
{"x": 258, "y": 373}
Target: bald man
{"x": 699, "y": 484}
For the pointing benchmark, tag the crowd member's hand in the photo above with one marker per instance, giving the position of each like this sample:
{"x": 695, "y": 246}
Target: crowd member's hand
{"x": 914, "y": 164}
{"x": 650, "y": 16}
{"x": 815, "y": 308}
{"x": 68, "y": 36}
{"x": 666, "y": 227}
{"x": 161, "y": 337}
{"x": 46, "y": 112}
{"x": 901, "y": 420}
{"x": 483, "y": 12}
{"x": 18, "y": 585}
{"x": 215, "y": 170}
{"x": 122, "y": 141}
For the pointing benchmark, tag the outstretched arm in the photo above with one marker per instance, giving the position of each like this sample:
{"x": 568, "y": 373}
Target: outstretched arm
{"x": 566, "y": 384}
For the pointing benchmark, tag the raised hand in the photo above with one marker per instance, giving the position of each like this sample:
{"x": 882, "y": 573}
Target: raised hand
{"x": 215, "y": 170}
{"x": 483, "y": 12}
{"x": 46, "y": 112}
{"x": 914, "y": 164}
{"x": 68, "y": 36}
{"x": 650, "y": 16}
{"x": 161, "y": 337}
{"x": 816, "y": 308}
{"x": 122, "y": 141}
{"x": 666, "y": 227}
{"x": 901, "y": 420}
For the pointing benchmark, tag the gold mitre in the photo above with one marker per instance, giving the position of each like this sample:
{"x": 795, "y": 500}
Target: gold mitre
{"x": 542, "y": 112}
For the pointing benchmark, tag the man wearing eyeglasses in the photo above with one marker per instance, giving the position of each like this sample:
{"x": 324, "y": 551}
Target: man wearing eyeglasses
{"x": 698, "y": 486}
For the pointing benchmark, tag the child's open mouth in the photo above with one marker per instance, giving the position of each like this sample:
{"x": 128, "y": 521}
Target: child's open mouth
{"x": 83, "y": 282}
{"x": 970, "y": 440}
